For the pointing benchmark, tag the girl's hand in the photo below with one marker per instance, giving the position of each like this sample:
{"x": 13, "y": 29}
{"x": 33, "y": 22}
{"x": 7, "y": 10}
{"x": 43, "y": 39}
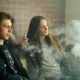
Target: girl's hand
{"x": 24, "y": 42}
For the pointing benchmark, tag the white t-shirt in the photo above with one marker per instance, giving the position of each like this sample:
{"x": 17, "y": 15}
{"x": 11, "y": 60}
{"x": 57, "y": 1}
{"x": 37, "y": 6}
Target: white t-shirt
{"x": 50, "y": 67}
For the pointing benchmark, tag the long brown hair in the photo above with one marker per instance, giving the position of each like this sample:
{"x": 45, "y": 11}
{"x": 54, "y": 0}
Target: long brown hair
{"x": 33, "y": 33}
{"x": 33, "y": 27}
{"x": 55, "y": 44}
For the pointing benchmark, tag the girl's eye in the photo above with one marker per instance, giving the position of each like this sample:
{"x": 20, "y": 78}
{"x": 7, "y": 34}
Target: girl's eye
{"x": 42, "y": 26}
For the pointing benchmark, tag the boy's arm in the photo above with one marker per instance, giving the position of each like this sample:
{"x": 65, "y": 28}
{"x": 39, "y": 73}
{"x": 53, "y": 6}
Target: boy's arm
{"x": 5, "y": 75}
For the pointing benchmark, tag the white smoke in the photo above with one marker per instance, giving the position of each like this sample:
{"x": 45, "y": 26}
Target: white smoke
{"x": 32, "y": 49}
{"x": 73, "y": 32}
{"x": 13, "y": 38}
{"x": 60, "y": 30}
{"x": 73, "y": 36}
{"x": 76, "y": 50}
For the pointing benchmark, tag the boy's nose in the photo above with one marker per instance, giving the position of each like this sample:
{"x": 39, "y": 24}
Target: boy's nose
{"x": 10, "y": 29}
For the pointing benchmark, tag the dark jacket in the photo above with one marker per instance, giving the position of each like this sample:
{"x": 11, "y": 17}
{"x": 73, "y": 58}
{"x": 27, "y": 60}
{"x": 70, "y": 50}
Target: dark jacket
{"x": 6, "y": 71}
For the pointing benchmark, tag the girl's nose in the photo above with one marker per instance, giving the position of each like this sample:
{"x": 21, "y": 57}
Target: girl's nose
{"x": 46, "y": 27}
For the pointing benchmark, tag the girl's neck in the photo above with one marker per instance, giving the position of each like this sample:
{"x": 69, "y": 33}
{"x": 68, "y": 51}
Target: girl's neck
{"x": 42, "y": 39}
{"x": 1, "y": 42}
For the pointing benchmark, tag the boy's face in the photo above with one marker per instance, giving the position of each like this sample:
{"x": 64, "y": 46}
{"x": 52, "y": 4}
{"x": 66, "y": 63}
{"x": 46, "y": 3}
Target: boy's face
{"x": 5, "y": 29}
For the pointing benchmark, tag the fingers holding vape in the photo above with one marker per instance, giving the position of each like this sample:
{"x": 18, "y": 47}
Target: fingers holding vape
{"x": 24, "y": 41}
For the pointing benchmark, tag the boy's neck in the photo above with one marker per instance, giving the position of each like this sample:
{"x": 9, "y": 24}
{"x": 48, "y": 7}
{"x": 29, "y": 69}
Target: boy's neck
{"x": 1, "y": 42}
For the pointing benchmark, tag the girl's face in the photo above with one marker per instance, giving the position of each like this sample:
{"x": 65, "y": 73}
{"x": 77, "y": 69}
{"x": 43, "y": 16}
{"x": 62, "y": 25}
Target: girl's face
{"x": 43, "y": 28}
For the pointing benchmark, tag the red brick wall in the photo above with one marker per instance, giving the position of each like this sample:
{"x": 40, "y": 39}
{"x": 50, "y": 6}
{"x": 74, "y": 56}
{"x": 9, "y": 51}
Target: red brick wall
{"x": 24, "y": 10}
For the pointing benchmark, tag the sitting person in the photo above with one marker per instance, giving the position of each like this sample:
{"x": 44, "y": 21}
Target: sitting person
{"x": 45, "y": 60}
{"x": 10, "y": 65}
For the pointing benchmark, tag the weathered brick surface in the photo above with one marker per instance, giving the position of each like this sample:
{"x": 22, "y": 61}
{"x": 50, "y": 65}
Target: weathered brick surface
{"x": 24, "y": 10}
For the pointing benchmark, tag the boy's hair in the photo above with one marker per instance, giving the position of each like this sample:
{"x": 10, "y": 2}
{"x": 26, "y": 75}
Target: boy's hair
{"x": 4, "y": 15}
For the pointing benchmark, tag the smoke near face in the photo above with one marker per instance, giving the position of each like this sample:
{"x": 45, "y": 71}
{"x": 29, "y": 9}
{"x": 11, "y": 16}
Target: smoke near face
{"x": 72, "y": 43}
{"x": 76, "y": 50}
{"x": 13, "y": 38}
{"x": 72, "y": 36}
{"x": 60, "y": 33}
{"x": 73, "y": 32}
{"x": 60, "y": 30}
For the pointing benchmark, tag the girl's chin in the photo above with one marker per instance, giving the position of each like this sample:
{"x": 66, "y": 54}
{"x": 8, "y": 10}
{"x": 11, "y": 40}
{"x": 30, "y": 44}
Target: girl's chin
{"x": 46, "y": 34}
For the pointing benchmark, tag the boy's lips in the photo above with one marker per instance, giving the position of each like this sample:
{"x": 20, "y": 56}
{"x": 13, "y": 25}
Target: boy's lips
{"x": 8, "y": 35}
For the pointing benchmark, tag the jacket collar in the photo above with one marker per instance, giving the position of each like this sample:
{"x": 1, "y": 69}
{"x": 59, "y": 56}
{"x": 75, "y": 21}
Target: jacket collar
{"x": 5, "y": 45}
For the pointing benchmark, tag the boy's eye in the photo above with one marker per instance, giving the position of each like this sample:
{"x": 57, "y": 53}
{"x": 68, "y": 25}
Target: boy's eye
{"x": 6, "y": 26}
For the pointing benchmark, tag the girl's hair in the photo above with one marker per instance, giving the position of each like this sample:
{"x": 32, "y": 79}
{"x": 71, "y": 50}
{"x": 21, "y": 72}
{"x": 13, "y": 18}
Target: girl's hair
{"x": 33, "y": 33}
{"x": 33, "y": 28}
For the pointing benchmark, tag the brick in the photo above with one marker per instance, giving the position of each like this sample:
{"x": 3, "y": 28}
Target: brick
{"x": 41, "y": 9}
{"x": 51, "y": 14}
{"x": 14, "y": 14}
{"x": 17, "y": 9}
{"x": 38, "y": 9}
{"x": 55, "y": 19}
{"x": 24, "y": 10}
{"x": 56, "y": 10}
{"x": 19, "y": 20}
{"x": 26, "y": 20}
{"x": 59, "y": 15}
{"x": 7, "y": 8}
{"x": 41, "y": 4}
{"x": 25, "y": 26}
{"x": 7, "y": 2}
{"x": 1, "y": 2}
{"x": 51, "y": 5}
{"x": 26, "y": 3}
{"x": 2, "y": 8}
{"x": 49, "y": 9}
{"x": 43, "y": 14}
{"x": 20, "y": 3}
{"x": 31, "y": 9}
{"x": 58, "y": 24}
{"x": 13, "y": 2}
{"x": 34, "y": 3}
